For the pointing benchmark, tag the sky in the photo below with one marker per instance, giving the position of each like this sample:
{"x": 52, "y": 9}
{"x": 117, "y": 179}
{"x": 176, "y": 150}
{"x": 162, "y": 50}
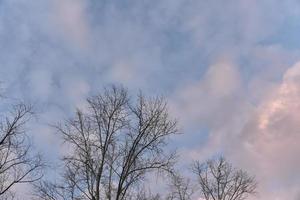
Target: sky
{"x": 229, "y": 69}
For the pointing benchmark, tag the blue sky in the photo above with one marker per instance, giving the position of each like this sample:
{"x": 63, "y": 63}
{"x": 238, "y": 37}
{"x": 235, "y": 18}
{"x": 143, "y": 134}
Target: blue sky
{"x": 229, "y": 69}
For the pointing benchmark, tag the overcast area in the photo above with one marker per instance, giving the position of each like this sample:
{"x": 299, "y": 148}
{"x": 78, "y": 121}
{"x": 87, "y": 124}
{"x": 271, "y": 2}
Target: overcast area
{"x": 230, "y": 71}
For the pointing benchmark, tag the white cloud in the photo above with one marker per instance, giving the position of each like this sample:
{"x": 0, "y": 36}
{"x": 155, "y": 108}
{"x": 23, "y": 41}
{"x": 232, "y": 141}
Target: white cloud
{"x": 199, "y": 101}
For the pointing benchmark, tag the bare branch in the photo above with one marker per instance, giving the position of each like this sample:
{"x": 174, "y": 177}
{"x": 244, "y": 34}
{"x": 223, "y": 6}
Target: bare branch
{"x": 113, "y": 145}
{"x": 218, "y": 180}
{"x": 17, "y": 163}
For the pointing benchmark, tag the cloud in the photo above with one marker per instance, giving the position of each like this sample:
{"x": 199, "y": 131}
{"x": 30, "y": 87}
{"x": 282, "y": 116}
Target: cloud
{"x": 76, "y": 90}
{"x": 56, "y": 52}
{"x": 41, "y": 83}
{"x": 70, "y": 19}
{"x": 217, "y": 87}
{"x": 269, "y": 143}
{"x": 263, "y": 138}
{"x": 211, "y": 110}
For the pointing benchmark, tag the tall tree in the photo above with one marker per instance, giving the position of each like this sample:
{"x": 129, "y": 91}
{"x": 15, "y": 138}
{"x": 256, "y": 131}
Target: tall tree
{"x": 113, "y": 144}
{"x": 219, "y": 180}
{"x": 18, "y": 164}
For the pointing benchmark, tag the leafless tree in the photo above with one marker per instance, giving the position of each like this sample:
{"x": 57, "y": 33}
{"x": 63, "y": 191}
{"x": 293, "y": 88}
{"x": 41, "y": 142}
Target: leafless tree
{"x": 180, "y": 188}
{"x": 218, "y": 180}
{"x": 145, "y": 194}
{"x": 113, "y": 144}
{"x": 17, "y": 162}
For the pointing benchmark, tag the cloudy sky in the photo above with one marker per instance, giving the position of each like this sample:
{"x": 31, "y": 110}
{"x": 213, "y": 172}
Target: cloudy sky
{"x": 229, "y": 68}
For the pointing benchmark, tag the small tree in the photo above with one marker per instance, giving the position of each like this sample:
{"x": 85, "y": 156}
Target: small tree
{"x": 180, "y": 188}
{"x": 113, "y": 144}
{"x": 17, "y": 163}
{"x": 218, "y": 180}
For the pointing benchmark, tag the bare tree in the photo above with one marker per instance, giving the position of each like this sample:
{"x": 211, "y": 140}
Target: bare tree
{"x": 17, "y": 163}
{"x": 180, "y": 188}
{"x": 113, "y": 144}
{"x": 146, "y": 194}
{"x": 218, "y": 180}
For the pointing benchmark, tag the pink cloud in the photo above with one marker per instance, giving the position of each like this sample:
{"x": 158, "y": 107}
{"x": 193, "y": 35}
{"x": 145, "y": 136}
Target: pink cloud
{"x": 269, "y": 143}
{"x": 262, "y": 138}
